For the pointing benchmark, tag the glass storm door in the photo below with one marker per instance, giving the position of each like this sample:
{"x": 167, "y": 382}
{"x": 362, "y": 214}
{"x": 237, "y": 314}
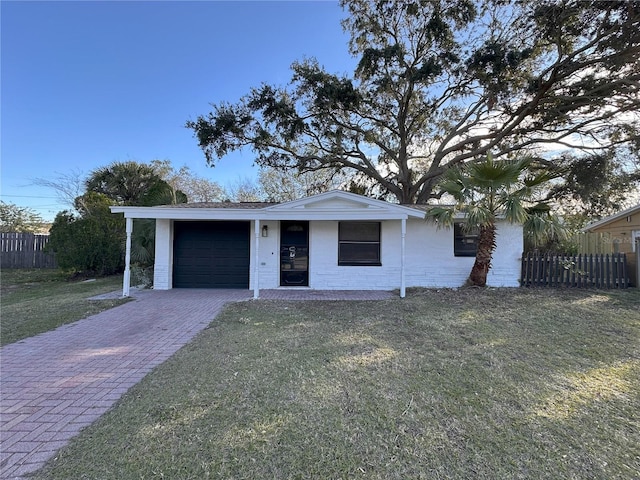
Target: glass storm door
{"x": 294, "y": 254}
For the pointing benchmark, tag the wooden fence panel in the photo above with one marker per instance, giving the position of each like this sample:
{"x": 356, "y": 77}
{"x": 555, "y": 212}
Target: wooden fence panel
{"x": 25, "y": 250}
{"x": 574, "y": 271}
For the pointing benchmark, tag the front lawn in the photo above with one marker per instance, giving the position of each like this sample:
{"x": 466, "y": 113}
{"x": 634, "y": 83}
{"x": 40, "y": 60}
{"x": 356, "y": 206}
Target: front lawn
{"x": 35, "y": 301}
{"x": 493, "y": 384}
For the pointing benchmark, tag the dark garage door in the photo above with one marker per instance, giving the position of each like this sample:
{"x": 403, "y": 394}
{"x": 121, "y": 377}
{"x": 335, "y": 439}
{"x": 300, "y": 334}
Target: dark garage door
{"x": 211, "y": 255}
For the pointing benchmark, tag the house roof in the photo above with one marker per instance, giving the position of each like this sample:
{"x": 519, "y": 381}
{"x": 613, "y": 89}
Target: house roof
{"x": 612, "y": 218}
{"x": 423, "y": 207}
{"x": 237, "y": 205}
{"x": 333, "y": 205}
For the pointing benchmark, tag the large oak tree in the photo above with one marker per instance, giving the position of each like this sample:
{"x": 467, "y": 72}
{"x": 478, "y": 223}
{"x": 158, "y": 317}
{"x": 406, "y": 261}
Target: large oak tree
{"x": 440, "y": 83}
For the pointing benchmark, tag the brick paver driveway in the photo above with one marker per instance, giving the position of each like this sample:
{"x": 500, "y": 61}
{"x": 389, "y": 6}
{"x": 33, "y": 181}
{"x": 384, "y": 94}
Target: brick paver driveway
{"x": 54, "y": 384}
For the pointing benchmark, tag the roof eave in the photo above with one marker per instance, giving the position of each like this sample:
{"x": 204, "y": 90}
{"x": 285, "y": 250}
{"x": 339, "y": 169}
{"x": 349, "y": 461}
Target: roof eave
{"x": 612, "y": 218}
{"x": 255, "y": 214}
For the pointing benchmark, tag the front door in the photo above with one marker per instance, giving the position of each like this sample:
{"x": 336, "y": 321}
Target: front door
{"x": 294, "y": 254}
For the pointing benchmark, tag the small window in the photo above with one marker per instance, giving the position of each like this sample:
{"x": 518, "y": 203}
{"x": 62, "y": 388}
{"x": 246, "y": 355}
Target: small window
{"x": 465, "y": 242}
{"x": 359, "y": 243}
{"x": 635, "y": 236}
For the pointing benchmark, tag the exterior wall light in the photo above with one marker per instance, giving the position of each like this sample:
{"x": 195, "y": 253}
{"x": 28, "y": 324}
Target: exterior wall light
{"x": 265, "y": 231}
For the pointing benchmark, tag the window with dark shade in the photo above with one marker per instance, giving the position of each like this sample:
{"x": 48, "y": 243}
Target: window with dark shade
{"x": 359, "y": 243}
{"x": 465, "y": 242}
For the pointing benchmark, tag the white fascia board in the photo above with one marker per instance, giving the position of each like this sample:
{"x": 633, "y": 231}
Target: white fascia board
{"x": 395, "y": 212}
{"x": 332, "y": 215}
{"x": 364, "y": 203}
{"x": 259, "y": 214}
{"x": 187, "y": 213}
{"x": 388, "y": 210}
{"x": 408, "y": 211}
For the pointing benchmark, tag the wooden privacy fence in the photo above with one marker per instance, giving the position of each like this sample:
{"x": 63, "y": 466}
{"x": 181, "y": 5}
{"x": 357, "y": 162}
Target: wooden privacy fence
{"x": 25, "y": 250}
{"x": 578, "y": 271}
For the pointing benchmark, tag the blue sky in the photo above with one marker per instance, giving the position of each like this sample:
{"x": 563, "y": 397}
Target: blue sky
{"x": 88, "y": 83}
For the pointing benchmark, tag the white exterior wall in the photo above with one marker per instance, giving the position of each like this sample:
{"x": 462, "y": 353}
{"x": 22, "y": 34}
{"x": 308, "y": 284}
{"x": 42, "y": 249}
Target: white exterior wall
{"x": 326, "y": 274}
{"x": 269, "y": 248}
{"x": 163, "y": 268}
{"x": 429, "y": 258}
{"x": 507, "y": 258}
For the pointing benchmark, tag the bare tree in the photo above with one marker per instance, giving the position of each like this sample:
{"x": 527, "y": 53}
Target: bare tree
{"x": 67, "y": 186}
{"x": 286, "y": 185}
{"x": 197, "y": 189}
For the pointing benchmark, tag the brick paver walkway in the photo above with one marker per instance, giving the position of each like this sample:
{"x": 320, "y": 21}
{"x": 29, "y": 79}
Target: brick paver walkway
{"x": 54, "y": 384}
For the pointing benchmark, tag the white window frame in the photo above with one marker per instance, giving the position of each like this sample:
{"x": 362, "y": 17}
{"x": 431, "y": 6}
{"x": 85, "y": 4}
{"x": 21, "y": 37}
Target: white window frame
{"x": 634, "y": 234}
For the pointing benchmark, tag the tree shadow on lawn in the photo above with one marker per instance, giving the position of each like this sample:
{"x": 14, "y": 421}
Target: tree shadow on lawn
{"x": 482, "y": 383}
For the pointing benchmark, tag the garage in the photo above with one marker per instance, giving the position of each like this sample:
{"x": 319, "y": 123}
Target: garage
{"x": 211, "y": 254}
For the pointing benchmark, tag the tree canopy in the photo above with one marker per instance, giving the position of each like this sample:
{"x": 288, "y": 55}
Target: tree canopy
{"x": 597, "y": 185}
{"x": 92, "y": 239}
{"x": 14, "y": 218}
{"x": 197, "y": 189}
{"x": 90, "y": 242}
{"x": 133, "y": 183}
{"x": 283, "y": 186}
{"x": 441, "y": 83}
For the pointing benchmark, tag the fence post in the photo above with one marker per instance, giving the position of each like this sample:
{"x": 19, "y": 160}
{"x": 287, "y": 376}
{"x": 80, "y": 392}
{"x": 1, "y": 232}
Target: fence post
{"x": 624, "y": 279}
{"x": 637, "y": 262}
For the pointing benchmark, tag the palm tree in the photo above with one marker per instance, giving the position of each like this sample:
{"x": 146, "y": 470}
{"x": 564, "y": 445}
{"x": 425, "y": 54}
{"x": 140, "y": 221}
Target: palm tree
{"x": 544, "y": 230}
{"x": 126, "y": 183}
{"x": 143, "y": 239}
{"x": 133, "y": 183}
{"x": 484, "y": 192}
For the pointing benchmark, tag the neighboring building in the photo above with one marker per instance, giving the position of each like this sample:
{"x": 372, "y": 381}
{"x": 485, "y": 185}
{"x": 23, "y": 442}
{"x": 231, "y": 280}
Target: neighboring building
{"x": 622, "y": 229}
{"x": 331, "y": 241}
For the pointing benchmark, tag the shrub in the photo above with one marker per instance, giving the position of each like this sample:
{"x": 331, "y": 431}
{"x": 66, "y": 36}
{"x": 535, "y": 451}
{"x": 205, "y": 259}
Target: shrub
{"x": 92, "y": 242}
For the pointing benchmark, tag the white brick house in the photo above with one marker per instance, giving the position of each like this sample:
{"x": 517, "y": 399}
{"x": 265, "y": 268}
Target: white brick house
{"x": 331, "y": 241}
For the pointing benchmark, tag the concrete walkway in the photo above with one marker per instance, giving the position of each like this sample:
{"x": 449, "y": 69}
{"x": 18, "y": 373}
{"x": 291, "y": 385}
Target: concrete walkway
{"x": 54, "y": 384}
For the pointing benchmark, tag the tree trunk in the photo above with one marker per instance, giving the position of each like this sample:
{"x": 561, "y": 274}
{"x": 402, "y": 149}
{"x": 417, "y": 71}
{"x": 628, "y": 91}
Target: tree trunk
{"x": 486, "y": 246}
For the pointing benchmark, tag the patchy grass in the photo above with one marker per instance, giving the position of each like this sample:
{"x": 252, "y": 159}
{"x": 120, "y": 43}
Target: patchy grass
{"x": 530, "y": 384}
{"x": 35, "y": 301}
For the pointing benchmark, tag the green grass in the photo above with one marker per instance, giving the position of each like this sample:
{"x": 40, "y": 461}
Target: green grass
{"x": 35, "y": 301}
{"x": 493, "y": 384}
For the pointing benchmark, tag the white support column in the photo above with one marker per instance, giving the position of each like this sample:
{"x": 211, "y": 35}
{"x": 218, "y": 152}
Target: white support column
{"x": 637, "y": 240}
{"x": 256, "y": 261}
{"x": 403, "y": 230}
{"x": 126, "y": 282}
